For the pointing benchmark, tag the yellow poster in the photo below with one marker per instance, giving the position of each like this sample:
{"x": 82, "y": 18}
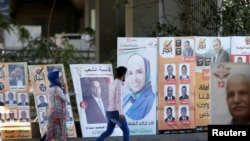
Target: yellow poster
{"x": 176, "y": 79}
{"x": 14, "y": 101}
{"x": 40, "y": 85}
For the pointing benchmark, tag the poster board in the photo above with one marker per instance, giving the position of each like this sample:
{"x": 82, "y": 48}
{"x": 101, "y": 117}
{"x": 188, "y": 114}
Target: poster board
{"x": 176, "y": 77}
{"x": 240, "y": 49}
{"x": 228, "y": 92}
{"x": 205, "y": 53}
{"x": 40, "y": 85}
{"x": 14, "y": 89}
{"x": 139, "y": 56}
{"x": 93, "y": 121}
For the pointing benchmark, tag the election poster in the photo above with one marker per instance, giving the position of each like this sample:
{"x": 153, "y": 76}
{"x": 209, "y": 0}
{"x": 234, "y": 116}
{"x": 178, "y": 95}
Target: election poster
{"x": 176, "y": 81}
{"x": 229, "y": 92}
{"x": 240, "y": 49}
{"x": 91, "y": 85}
{"x": 207, "y": 51}
{"x": 15, "y": 122}
{"x": 40, "y": 86}
{"x": 139, "y": 56}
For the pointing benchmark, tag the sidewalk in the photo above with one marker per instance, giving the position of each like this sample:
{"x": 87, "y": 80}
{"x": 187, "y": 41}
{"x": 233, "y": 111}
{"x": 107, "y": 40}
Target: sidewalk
{"x": 162, "y": 137}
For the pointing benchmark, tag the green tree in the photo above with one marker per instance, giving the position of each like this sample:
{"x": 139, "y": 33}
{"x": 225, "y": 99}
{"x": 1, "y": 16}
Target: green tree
{"x": 42, "y": 50}
{"x": 196, "y": 17}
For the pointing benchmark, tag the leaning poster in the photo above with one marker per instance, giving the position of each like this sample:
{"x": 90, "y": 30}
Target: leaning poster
{"x": 230, "y": 86}
{"x": 15, "y": 122}
{"x": 91, "y": 84}
{"x": 40, "y": 86}
{"x": 139, "y": 55}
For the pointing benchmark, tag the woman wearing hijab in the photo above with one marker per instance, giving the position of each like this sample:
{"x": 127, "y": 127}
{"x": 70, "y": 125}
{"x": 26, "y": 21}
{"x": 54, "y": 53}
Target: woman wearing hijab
{"x": 139, "y": 103}
{"x": 56, "y": 127}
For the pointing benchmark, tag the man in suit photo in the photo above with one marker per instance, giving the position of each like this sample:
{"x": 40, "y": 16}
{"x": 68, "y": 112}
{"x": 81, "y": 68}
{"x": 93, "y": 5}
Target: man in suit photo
{"x": 12, "y": 117}
{"x": 169, "y": 95}
{"x": 184, "y": 94}
{"x": 11, "y": 100}
{"x": 169, "y": 112}
{"x": 24, "y": 117}
{"x": 42, "y": 102}
{"x": 220, "y": 54}
{"x": 23, "y": 101}
{"x": 17, "y": 77}
{"x": 96, "y": 107}
{"x": 184, "y": 74}
{"x": 184, "y": 115}
{"x": 187, "y": 51}
{"x": 170, "y": 74}
{"x": 44, "y": 119}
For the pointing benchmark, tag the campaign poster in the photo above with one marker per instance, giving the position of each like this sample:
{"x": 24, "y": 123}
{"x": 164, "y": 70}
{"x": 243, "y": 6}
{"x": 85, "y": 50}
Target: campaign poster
{"x": 40, "y": 86}
{"x": 91, "y": 85}
{"x": 176, "y": 81}
{"x": 14, "y": 101}
{"x": 207, "y": 51}
{"x": 229, "y": 93}
{"x": 139, "y": 56}
{"x": 240, "y": 49}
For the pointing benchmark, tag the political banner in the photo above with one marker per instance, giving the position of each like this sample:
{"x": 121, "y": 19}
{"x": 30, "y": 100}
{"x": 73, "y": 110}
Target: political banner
{"x": 207, "y": 51}
{"x": 176, "y": 81}
{"x": 14, "y": 101}
{"x": 139, "y": 56}
{"x": 91, "y": 84}
{"x": 40, "y": 86}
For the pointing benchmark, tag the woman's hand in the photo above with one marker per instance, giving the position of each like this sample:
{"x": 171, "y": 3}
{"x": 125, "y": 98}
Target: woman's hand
{"x": 64, "y": 85}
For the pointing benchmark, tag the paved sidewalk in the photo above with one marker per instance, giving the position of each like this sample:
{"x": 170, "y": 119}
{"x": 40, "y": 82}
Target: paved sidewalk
{"x": 162, "y": 137}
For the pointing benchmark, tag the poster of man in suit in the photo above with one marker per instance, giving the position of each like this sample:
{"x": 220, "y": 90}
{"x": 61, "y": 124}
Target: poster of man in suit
{"x": 96, "y": 97}
{"x": 91, "y": 83}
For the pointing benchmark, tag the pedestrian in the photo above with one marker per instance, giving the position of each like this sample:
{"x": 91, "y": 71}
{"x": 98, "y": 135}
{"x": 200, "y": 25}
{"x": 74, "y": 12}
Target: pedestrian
{"x": 56, "y": 127}
{"x": 114, "y": 111}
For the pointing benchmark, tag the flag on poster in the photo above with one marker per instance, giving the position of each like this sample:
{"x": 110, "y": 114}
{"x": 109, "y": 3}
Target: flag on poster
{"x": 230, "y": 88}
{"x": 208, "y": 49}
{"x": 139, "y": 55}
{"x": 176, "y": 81}
{"x": 14, "y": 101}
{"x": 40, "y": 85}
{"x": 91, "y": 84}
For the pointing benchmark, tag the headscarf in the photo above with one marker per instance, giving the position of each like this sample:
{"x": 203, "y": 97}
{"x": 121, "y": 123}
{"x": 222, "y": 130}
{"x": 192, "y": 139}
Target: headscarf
{"x": 147, "y": 74}
{"x": 53, "y": 78}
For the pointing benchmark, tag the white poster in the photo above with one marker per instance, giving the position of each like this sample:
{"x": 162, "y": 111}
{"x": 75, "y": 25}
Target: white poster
{"x": 240, "y": 49}
{"x": 139, "y": 55}
{"x": 229, "y": 93}
{"x": 91, "y": 84}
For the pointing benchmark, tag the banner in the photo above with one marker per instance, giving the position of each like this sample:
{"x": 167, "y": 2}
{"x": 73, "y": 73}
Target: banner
{"x": 91, "y": 85}
{"x": 240, "y": 49}
{"x": 208, "y": 49}
{"x": 40, "y": 85}
{"x": 139, "y": 55}
{"x": 176, "y": 77}
{"x": 14, "y": 101}
{"x": 230, "y": 88}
